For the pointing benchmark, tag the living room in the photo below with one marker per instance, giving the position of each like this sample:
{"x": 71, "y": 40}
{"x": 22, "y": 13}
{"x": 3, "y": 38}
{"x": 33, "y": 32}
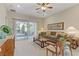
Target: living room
{"x": 57, "y": 18}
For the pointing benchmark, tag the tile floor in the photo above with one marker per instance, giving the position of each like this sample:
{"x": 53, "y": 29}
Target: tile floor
{"x": 29, "y": 48}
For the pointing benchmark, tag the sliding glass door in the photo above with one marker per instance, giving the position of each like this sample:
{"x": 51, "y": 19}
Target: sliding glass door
{"x": 25, "y": 30}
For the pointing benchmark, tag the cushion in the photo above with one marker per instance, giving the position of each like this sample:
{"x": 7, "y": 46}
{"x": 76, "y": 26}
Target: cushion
{"x": 43, "y": 39}
{"x": 53, "y": 33}
{"x": 53, "y": 48}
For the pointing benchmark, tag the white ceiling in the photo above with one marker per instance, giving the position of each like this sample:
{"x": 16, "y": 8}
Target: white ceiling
{"x": 29, "y": 8}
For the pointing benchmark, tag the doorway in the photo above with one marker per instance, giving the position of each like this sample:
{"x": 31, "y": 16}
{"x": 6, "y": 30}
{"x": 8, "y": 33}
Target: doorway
{"x": 25, "y": 30}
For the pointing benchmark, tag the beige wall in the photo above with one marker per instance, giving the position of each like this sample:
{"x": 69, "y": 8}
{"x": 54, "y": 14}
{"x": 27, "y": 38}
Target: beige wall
{"x": 12, "y": 17}
{"x": 50, "y": 20}
{"x": 70, "y": 17}
{"x": 9, "y": 18}
{"x": 2, "y": 14}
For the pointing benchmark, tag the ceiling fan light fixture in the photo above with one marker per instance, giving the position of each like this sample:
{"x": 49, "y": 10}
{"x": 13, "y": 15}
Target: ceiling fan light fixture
{"x": 43, "y": 8}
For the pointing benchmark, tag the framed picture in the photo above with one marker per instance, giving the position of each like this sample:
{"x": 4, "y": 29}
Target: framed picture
{"x": 56, "y": 26}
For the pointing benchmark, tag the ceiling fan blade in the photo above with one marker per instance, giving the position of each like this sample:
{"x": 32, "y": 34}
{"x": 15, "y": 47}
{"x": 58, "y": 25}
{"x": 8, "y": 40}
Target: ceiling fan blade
{"x": 39, "y": 3}
{"x": 50, "y": 7}
{"x": 46, "y": 3}
{"x": 37, "y": 8}
{"x": 43, "y": 4}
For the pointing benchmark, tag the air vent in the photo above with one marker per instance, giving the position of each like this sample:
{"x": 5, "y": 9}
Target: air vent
{"x": 12, "y": 10}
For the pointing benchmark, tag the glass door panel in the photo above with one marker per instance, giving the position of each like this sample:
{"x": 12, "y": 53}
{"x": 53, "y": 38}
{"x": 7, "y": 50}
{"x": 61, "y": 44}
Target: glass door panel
{"x": 25, "y": 30}
{"x": 31, "y": 30}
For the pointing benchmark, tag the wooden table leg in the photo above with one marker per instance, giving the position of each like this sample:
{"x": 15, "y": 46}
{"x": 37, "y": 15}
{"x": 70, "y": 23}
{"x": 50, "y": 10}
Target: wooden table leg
{"x": 46, "y": 52}
{"x": 42, "y": 44}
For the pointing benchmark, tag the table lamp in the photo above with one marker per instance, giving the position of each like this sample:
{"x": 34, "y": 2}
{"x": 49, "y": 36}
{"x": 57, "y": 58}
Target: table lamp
{"x": 72, "y": 31}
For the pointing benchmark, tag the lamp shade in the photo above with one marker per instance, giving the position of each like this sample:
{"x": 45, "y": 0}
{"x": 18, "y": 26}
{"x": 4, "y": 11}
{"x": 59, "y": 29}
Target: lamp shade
{"x": 41, "y": 30}
{"x": 72, "y": 31}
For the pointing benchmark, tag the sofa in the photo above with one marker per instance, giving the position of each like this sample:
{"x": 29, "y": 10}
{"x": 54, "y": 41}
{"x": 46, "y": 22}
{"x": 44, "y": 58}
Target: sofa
{"x": 44, "y": 37}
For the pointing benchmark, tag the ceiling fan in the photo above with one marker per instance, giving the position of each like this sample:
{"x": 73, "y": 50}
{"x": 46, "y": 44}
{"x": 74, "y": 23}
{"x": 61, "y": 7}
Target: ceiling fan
{"x": 43, "y": 6}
